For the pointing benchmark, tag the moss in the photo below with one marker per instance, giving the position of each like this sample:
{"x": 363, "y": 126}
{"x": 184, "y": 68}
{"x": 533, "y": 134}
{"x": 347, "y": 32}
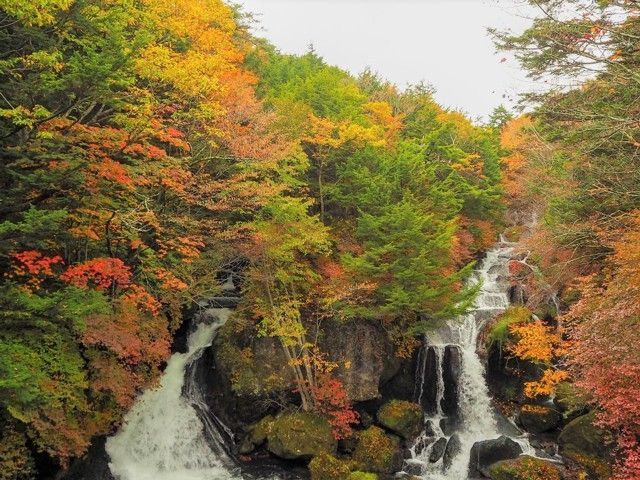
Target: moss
{"x": 376, "y": 451}
{"x": 571, "y": 400}
{"x": 499, "y": 332}
{"x": 403, "y": 418}
{"x": 583, "y": 442}
{"x": 363, "y": 476}
{"x": 524, "y": 468}
{"x": 260, "y": 431}
{"x": 328, "y": 467}
{"x": 301, "y": 435}
{"x": 237, "y": 360}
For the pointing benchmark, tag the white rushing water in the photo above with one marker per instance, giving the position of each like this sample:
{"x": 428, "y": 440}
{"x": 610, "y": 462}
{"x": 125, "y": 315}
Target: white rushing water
{"x": 477, "y": 420}
{"x": 163, "y": 437}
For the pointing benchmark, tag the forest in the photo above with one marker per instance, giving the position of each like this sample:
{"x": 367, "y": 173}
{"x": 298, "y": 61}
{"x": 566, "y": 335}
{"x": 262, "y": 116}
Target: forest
{"x": 152, "y": 150}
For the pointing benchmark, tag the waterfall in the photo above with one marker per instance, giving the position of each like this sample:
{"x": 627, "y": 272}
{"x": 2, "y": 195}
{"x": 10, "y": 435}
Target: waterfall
{"x": 169, "y": 434}
{"x": 435, "y": 456}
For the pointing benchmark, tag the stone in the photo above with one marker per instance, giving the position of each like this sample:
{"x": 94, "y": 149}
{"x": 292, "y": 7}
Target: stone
{"x": 328, "y": 467}
{"x": 412, "y": 468}
{"x": 538, "y": 418}
{"x": 402, "y": 417}
{"x": 453, "y": 448}
{"x": 437, "y": 451}
{"x": 583, "y": 442}
{"x": 451, "y": 370}
{"x": 427, "y": 369}
{"x": 571, "y": 401}
{"x": 364, "y": 356}
{"x": 377, "y": 451}
{"x": 488, "y": 452}
{"x": 422, "y": 444}
{"x": 300, "y": 435}
{"x": 524, "y": 468}
{"x": 448, "y": 425}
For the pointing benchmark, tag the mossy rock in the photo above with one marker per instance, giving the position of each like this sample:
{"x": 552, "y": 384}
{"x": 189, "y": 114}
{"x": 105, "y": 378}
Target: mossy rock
{"x": 571, "y": 400}
{"x": 259, "y": 432}
{"x": 363, "y": 476}
{"x": 586, "y": 444}
{"x": 404, "y": 418}
{"x": 328, "y": 467}
{"x": 300, "y": 435}
{"x": 524, "y": 468}
{"x": 377, "y": 452}
{"x": 498, "y": 336}
{"x": 538, "y": 418}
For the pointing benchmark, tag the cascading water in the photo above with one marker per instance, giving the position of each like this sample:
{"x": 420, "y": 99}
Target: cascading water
{"x": 169, "y": 434}
{"x": 451, "y": 382}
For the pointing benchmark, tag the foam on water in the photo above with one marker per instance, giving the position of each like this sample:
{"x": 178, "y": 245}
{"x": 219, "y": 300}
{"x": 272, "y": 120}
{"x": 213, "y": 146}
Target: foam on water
{"x": 163, "y": 437}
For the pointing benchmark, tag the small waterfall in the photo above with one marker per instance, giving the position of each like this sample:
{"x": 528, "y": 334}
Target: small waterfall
{"x": 169, "y": 434}
{"x": 459, "y": 410}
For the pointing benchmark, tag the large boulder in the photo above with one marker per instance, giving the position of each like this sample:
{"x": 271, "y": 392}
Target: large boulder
{"x": 538, "y": 418}
{"x": 571, "y": 400}
{"x": 364, "y": 356}
{"x": 377, "y": 452}
{"x": 488, "y": 452}
{"x": 437, "y": 451}
{"x": 328, "y": 467}
{"x": 451, "y": 370}
{"x": 300, "y": 435}
{"x": 401, "y": 417}
{"x": 583, "y": 442}
{"x": 428, "y": 372}
{"x": 524, "y": 468}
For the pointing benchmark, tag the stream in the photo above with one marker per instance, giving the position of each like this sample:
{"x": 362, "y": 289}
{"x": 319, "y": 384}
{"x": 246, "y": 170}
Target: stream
{"x": 456, "y": 399}
{"x": 170, "y": 433}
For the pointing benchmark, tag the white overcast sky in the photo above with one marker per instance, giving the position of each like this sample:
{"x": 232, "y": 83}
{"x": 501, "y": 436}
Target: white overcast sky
{"x": 443, "y": 42}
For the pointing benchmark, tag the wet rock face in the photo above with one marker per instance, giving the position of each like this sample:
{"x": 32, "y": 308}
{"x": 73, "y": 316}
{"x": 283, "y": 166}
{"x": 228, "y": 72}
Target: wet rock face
{"x": 453, "y": 449}
{"x": 451, "y": 370}
{"x": 488, "y": 452}
{"x": 438, "y": 450}
{"x": 429, "y": 397}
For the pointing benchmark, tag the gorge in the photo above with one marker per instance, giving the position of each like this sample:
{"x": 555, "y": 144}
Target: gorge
{"x": 222, "y": 261}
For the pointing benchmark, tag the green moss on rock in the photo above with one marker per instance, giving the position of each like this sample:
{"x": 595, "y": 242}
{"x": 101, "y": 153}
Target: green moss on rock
{"x": 586, "y": 444}
{"x": 404, "y": 418}
{"x": 328, "y": 467}
{"x": 498, "y": 336}
{"x": 363, "y": 476}
{"x": 260, "y": 431}
{"x": 300, "y": 435}
{"x": 377, "y": 452}
{"x": 524, "y": 468}
{"x": 571, "y": 400}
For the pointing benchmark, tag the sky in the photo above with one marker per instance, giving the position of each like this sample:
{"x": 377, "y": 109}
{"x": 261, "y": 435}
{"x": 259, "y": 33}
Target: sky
{"x": 441, "y": 42}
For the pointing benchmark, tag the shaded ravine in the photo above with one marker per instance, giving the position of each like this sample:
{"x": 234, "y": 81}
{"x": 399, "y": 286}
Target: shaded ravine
{"x": 450, "y": 381}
